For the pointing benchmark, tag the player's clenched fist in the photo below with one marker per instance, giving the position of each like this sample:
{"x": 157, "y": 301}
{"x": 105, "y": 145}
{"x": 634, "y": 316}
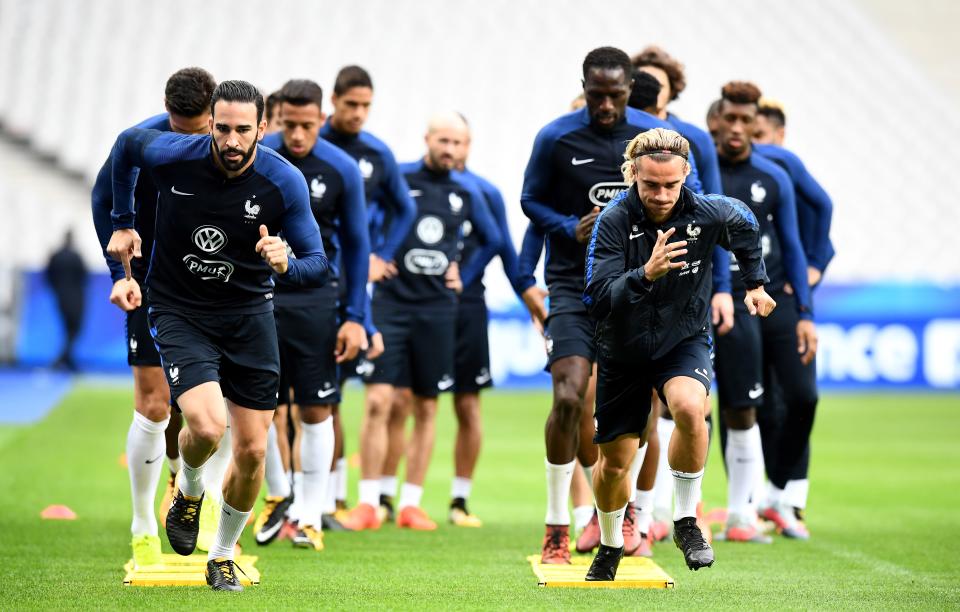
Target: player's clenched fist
{"x": 126, "y": 294}
{"x": 273, "y": 250}
{"x": 758, "y": 302}
{"x": 663, "y": 257}
{"x": 124, "y": 244}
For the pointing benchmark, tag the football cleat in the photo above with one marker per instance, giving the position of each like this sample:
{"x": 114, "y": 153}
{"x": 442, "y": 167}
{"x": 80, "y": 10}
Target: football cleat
{"x": 631, "y": 535}
{"x": 590, "y": 536}
{"x": 689, "y": 539}
{"x": 183, "y": 523}
{"x": 556, "y": 545}
{"x": 308, "y": 537}
{"x": 271, "y": 519}
{"x": 645, "y": 549}
{"x": 363, "y": 516}
{"x": 605, "y": 564}
{"x": 659, "y": 530}
{"x": 329, "y": 522}
{"x": 385, "y": 511}
{"x": 222, "y": 575}
{"x": 743, "y": 530}
{"x": 460, "y": 516}
{"x": 413, "y": 517}
{"x": 146, "y": 550}
{"x": 794, "y": 527}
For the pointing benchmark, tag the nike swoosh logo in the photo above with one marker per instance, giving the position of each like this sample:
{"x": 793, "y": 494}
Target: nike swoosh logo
{"x": 155, "y": 459}
{"x": 703, "y": 373}
{"x": 415, "y": 193}
{"x": 755, "y": 393}
{"x": 482, "y": 380}
{"x": 579, "y": 162}
{"x": 265, "y": 534}
{"x": 327, "y": 393}
{"x": 632, "y": 236}
{"x": 174, "y": 191}
{"x": 443, "y": 385}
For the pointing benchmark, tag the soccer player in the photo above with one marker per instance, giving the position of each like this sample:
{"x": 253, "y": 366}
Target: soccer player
{"x": 771, "y": 123}
{"x": 311, "y": 344}
{"x": 390, "y": 213}
{"x": 272, "y": 113}
{"x": 211, "y": 294}
{"x": 787, "y": 341}
{"x": 416, "y": 311}
{"x": 571, "y": 174}
{"x": 651, "y": 297}
{"x": 187, "y": 102}
{"x": 472, "y": 367}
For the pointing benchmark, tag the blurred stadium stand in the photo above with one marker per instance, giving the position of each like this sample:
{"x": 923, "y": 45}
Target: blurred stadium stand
{"x": 872, "y": 103}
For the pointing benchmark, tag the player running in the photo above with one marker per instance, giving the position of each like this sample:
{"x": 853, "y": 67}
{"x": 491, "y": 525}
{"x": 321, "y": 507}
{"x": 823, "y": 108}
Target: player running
{"x": 416, "y": 312}
{"x": 219, "y": 198}
{"x": 572, "y": 173}
{"x": 187, "y": 102}
{"x": 311, "y": 345}
{"x": 787, "y": 341}
{"x": 651, "y": 298}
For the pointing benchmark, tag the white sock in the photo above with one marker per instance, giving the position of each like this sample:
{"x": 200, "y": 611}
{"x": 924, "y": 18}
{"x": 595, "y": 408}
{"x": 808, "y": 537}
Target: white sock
{"x": 370, "y": 492}
{"x": 774, "y": 494}
{"x": 461, "y": 488}
{"x": 342, "y": 478}
{"x": 635, "y": 466}
{"x": 582, "y": 516}
{"x": 174, "y": 464}
{"x": 316, "y": 454}
{"x": 795, "y": 493}
{"x": 190, "y": 480}
{"x": 643, "y": 502}
{"x": 216, "y": 466}
{"x": 410, "y": 495}
{"x": 330, "y": 497}
{"x": 559, "y": 478}
{"x": 278, "y": 485}
{"x": 744, "y": 454}
{"x": 296, "y": 508}
{"x": 145, "y": 446}
{"x": 611, "y": 527}
{"x": 231, "y": 526}
{"x": 663, "y": 485}
{"x": 388, "y": 485}
{"x": 686, "y": 490}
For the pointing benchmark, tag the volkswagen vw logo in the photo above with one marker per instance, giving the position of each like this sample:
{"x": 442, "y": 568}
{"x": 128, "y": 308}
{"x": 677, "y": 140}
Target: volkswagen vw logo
{"x": 209, "y": 238}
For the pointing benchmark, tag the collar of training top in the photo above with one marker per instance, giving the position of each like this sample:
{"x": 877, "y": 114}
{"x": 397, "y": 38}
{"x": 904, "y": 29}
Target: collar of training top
{"x": 639, "y": 213}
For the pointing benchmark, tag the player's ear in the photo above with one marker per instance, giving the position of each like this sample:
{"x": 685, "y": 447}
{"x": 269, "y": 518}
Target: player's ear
{"x": 686, "y": 169}
{"x": 261, "y": 129}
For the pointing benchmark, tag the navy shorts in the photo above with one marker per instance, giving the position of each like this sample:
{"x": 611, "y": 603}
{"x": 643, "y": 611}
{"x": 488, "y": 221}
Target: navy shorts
{"x": 569, "y": 331}
{"x": 624, "y": 389}
{"x": 141, "y": 351}
{"x": 418, "y": 348}
{"x": 308, "y": 339}
{"x": 239, "y": 351}
{"x": 472, "y": 368}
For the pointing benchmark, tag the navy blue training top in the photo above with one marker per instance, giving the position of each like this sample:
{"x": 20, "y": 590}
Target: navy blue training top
{"x": 814, "y": 207}
{"x": 445, "y": 201}
{"x": 384, "y": 187}
{"x": 336, "y": 198}
{"x": 144, "y": 202}
{"x": 768, "y": 192}
{"x": 204, "y": 257}
{"x": 572, "y": 168}
{"x": 471, "y": 242}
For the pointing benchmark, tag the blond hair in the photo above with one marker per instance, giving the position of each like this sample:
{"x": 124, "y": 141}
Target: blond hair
{"x": 658, "y": 143}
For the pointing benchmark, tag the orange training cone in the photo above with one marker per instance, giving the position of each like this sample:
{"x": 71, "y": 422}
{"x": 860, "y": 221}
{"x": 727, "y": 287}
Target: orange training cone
{"x": 58, "y": 512}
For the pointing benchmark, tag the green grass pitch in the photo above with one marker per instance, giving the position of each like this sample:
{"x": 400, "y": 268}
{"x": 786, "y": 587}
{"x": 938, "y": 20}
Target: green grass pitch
{"x": 884, "y": 513}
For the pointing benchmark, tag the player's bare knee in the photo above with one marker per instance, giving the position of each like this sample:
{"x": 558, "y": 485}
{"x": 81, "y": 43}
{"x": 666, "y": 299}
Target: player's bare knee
{"x": 740, "y": 418}
{"x": 566, "y": 409}
{"x": 207, "y": 432}
{"x": 378, "y": 405}
{"x": 249, "y": 454}
{"x": 687, "y": 412}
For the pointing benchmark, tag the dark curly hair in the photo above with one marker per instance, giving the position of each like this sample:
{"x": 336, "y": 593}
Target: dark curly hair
{"x": 188, "y": 92}
{"x": 657, "y": 57}
{"x": 741, "y": 92}
{"x": 605, "y": 58}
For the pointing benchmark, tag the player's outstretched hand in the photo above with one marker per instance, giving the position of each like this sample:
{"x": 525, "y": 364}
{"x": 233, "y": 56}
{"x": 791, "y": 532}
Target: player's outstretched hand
{"x": 806, "y": 340}
{"x": 663, "y": 258}
{"x": 124, "y": 244}
{"x": 125, "y": 294}
{"x": 451, "y": 278}
{"x": 534, "y": 298}
{"x": 376, "y": 346}
{"x": 758, "y": 302}
{"x": 585, "y": 225}
{"x": 351, "y": 339}
{"x": 273, "y": 250}
{"x": 722, "y": 306}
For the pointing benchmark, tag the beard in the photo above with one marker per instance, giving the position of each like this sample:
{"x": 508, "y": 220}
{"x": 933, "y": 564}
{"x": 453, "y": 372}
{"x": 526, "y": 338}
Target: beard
{"x": 234, "y": 165}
